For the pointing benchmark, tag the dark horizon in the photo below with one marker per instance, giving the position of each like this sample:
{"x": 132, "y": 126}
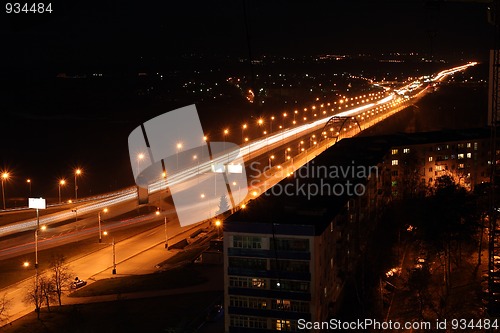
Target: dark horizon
{"x": 120, "y": 34}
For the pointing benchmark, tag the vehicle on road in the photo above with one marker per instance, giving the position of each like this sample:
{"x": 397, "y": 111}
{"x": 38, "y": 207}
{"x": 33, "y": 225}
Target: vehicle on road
{"x": 78, "y": 283}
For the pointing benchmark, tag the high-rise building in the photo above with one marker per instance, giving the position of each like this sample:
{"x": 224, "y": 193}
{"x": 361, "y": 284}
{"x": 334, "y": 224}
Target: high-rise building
{"x": 289, "y": 253}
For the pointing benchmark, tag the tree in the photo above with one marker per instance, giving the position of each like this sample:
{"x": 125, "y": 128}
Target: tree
{"x": 47, "y": 290}
{"x": 34, "y": 296}
{"x": 223, "y": 205}
{"x": 4, "y": 307}
{"x": 418, "y": 281}
{"x": 61, "y": 275}
{"x": 410, "y": 183}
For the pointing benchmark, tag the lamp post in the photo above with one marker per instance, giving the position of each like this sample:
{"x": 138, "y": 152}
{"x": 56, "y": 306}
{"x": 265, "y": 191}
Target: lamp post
{"x": 36, "y": 204}
{"x": 5, "y": 176}
{"x": 218, "y": 223}
{"x": 179, "y": 147}
{"x": 166, "y": 235}
{"x": 28, "y": 181}
{"x": 62, "y": 182}
{"x": 226, "y": 132}
{"x": 78, "y": 172}
{"x": 239, "y": 190}
{"x": 164, "y": 177}
{"x": 113, "y": 271}
{"x": 114, "y": 257}
{"x": 243, "y": 128}
{"x": 105, "y": 210}
{"x": 270, "y": 160}
{"x": 140, "y": 157}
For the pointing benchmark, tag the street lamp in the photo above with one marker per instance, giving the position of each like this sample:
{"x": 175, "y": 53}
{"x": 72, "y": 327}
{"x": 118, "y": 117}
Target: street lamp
{"x": 114, "y": 257}
{"x": 140, "y": 157}
{"x": 5, "y": 176}
{"x": 62, "y": 182}
{"x": 179, "y": 147}
{"x": 244, "y": 127}
{"x": 28, "y": 181}
{"x": 105, "y": 233}
{"x": 239, "y": 190}
{"x": 218, "y": 223}
{"x": 226, "y": 132}
{"x": 78, "y": 172}
{"x": 105, "y": 210}
{"x": 42, "y": 228}
{"x": 166, "y": 235}
{"x": 270, "y": 160}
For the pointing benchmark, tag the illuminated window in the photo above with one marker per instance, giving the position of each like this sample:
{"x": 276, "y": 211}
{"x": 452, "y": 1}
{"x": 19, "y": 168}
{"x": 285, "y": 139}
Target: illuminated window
{"x": 475, "y": 145}
{"x": 440, "y": 167}
{"x": 406, "y": 150}
{"x": 394, "y": 151}
{"x": 460, "y": 156}
{"x": 469, "y": 145}
{"x": 430, "y": 158}
{"x": 282, "y": 304}
{"x": 461, "y": 166}
{"x": 245, "y": 282}
{"x": 258, "y": 283}
{"x": 283, "y": 325}
{"x": 469, "y": 155}
{"x": 394, "y": 162}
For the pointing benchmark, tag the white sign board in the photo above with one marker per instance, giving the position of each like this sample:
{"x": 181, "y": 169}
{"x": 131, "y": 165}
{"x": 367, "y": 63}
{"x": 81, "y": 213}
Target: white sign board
{"x": 37, "y": 203}
{"x": 218, "y": 168}
{"x": 235, "y": 168}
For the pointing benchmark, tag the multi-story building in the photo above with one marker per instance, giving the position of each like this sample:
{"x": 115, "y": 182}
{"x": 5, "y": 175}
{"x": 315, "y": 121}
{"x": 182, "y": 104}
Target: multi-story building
{"x": 463, "y": 155}
{"x": 289, "y": 253}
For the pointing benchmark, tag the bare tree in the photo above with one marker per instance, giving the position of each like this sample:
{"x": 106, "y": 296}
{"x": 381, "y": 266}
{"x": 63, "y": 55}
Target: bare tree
{"x": 34, "y": 296}
{"x": 47, "y": 290}
{"x": 4, "y": 307}
{"x": 61, "y": 275}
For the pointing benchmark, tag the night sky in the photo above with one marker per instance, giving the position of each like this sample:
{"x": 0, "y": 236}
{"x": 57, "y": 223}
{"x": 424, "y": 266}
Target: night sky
{"x": 118, "y": 32}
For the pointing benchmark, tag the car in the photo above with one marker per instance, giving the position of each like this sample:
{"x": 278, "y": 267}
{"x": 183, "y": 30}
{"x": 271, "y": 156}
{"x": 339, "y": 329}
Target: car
{"x": 78, "y": 283}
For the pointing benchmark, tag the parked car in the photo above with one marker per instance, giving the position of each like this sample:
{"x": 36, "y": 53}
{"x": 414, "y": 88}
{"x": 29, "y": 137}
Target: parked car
{"x": 78, "y": 283}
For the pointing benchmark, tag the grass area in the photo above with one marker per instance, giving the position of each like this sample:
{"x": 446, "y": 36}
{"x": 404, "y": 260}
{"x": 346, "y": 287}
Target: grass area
{"x": 182, "y": 313}
{"x": 181, "y": 277}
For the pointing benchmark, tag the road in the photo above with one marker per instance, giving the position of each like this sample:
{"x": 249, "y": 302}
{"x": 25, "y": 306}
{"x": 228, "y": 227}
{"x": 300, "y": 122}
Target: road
{"x": 140, "y": 253}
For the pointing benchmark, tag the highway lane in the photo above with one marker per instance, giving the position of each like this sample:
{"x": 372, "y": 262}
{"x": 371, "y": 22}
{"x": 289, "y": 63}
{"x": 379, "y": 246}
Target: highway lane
{"x": 132, "y": 257}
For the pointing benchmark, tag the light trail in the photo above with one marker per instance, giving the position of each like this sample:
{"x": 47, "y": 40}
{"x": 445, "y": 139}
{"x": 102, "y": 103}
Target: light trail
{"x": 255, "y": 148}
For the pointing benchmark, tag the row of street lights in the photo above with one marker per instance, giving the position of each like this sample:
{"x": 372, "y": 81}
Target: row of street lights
{"x": 343, "y": 102}
{"x": 5, "y": 176}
